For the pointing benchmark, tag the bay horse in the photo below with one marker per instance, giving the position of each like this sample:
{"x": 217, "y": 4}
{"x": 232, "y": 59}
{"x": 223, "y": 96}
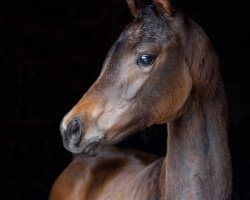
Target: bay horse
{"x": 162, "y": 69}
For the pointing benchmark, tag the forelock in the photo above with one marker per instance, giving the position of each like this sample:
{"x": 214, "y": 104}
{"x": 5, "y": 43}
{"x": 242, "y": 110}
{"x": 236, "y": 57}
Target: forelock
{"x": 148, "y": 26}
{"x": 153, "y": 26}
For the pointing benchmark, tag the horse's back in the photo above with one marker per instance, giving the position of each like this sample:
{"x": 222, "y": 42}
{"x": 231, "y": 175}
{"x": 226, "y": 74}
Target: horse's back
{"x": 90, "y": 178}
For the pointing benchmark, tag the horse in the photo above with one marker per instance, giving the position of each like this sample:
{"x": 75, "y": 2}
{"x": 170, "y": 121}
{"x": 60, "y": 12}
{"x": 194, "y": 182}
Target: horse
{"x": 162, "y": 69}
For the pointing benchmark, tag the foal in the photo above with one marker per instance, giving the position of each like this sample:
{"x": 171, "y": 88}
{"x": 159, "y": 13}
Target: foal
{"x": 162, "y": 69}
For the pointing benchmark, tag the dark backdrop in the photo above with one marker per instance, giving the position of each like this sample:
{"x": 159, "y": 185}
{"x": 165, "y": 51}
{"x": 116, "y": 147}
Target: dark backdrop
{"x": 51, "y": 51}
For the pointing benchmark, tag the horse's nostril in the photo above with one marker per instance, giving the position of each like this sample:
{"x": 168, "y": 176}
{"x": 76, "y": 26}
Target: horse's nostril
{"x": 73, "y": 130}
{"x": 75, "y": 126}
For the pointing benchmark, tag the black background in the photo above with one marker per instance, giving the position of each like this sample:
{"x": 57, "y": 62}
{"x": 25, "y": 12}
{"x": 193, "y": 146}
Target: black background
{"x": 51, "y": 51}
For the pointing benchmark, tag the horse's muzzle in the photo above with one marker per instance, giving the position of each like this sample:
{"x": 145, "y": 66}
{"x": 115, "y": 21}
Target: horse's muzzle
{"x": 73, "y": 138}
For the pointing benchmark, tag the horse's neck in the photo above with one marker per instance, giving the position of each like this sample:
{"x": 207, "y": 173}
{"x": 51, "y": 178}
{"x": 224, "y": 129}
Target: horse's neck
{"x": 197, "y": 165}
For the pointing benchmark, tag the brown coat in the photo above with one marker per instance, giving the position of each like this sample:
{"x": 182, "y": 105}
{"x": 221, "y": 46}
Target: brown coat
{"x": 162, "y": 69}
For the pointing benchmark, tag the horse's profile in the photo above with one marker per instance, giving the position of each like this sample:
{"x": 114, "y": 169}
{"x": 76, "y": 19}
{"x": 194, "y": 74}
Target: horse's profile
{"x": 162, "y": 69}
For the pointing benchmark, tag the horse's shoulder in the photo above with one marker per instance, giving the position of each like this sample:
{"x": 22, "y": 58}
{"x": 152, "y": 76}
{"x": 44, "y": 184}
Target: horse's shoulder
{"x": 85, "y": 174}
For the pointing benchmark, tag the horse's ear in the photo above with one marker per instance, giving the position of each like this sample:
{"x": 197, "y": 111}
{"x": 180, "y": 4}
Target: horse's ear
{"x": 162, "y": 5}
{"x": 132, "y": 7}
{"x": 135, "y": 5}
{"x": 165, "y": 6}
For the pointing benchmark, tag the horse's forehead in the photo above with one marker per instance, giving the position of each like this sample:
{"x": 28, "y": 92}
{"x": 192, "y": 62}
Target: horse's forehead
{"x": 145, "y": 30}
{"x": 131, "y": 34}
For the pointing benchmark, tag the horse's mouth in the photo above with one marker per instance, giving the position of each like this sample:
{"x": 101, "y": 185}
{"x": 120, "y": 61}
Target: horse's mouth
{"x": 88, "y": 148}
{"x": 91, "y": 149}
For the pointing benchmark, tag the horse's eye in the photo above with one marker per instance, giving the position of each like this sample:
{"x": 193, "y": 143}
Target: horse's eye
{"x": 146, "y": 59}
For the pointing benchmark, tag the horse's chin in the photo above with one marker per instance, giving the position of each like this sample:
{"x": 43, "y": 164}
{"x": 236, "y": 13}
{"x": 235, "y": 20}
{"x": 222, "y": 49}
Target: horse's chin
{"x": 87, "y": 148}
{"x": 92, "y": 149}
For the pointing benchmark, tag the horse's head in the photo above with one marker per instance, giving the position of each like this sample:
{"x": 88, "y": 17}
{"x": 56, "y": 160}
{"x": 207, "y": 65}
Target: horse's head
{"x": 144, "y": 80}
